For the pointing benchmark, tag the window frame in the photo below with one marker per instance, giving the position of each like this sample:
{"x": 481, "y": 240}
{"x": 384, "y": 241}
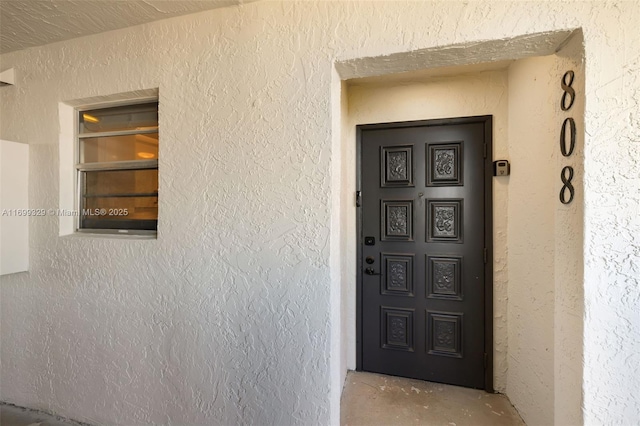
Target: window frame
{"x": 81, "y": 168}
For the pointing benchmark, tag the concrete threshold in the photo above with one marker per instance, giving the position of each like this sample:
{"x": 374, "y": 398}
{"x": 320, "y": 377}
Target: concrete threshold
{"x": 375, "y": 399}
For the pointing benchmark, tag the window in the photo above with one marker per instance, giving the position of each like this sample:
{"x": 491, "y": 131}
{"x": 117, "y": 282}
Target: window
{"x": 117, "y": 169}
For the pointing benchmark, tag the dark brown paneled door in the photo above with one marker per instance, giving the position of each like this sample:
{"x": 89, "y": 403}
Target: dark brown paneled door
{"x": 423, "y": 249}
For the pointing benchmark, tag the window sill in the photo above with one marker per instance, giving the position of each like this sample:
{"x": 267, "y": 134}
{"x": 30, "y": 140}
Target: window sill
{"x": 111, "y": 235}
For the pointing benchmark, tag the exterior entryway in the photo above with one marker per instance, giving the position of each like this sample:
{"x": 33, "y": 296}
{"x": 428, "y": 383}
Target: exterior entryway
{"x": 425, "y": 238}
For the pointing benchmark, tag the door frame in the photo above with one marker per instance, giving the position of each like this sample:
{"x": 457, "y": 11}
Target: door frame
{"x": 487, "y": 121}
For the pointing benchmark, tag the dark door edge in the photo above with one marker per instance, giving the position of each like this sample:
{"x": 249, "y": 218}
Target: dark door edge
{"x": 487, "y": 121}
{"x": 358, "y": 252}
{"x": 426, "y": 123}
{"x": 488, "y": 244}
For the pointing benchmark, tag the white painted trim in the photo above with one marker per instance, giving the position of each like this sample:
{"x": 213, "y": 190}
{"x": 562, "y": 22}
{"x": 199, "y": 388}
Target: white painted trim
{"x": 67, "y": 171}
{"x": 14, "y": 194}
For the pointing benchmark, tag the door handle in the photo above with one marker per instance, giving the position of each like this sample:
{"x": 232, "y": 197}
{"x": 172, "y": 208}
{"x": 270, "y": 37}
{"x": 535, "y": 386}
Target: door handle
{"x": 370, "y": 271}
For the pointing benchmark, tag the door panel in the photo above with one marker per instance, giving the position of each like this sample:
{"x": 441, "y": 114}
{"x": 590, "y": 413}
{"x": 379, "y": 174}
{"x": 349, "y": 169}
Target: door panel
{"x": 422, "y": 285}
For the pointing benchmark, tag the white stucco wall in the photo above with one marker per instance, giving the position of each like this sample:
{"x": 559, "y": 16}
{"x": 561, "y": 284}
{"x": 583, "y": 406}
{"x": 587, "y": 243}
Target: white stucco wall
{"x": 420, "y": 96}
{"x": 531, "y": 235}
{"x": 226, "y": 317}
{"x": 545, "y": 241}
{"x": 569, "y": 242}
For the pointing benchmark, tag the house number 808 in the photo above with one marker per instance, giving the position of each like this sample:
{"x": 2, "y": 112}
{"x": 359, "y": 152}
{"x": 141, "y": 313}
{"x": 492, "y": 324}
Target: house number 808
{"x": 567, "y": 172}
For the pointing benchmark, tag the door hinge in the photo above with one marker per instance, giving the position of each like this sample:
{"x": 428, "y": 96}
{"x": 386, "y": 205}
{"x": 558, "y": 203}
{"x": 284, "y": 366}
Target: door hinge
{"x": 358, "y": 198}
{"x": 485, "y": 150}
{"x": 486, "y": 360}
{"x": 485, "y": 254}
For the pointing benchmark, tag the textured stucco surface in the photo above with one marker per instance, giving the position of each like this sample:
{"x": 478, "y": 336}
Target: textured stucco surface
{"x": 420, "y": 97}
{"x": 569, "y": 242}
{"x": 226, "y": 317}
{"x": 29, "y": 23}
{"x": 545, "y": 242}
{"x": 531, "y": 231}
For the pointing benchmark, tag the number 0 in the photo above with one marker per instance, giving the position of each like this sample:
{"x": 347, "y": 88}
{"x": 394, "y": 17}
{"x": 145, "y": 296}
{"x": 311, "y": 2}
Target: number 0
{"x": 563, "y": 137}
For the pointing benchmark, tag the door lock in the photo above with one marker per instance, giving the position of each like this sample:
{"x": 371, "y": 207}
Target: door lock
{"x": 370, "y": 260}
{"x": 371, "y": 271}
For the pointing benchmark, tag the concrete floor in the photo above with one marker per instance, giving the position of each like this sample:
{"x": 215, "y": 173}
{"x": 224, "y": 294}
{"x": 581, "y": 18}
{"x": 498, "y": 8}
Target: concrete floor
{"x": 10, "y": 415}
{"x": 374, "y": 399}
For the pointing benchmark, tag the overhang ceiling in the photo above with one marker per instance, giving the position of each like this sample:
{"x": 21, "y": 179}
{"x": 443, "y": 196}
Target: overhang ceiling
{"x": 29, "y": 23}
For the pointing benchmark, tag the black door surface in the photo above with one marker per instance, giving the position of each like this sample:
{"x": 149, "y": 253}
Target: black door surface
{"x": 425, "y": 197}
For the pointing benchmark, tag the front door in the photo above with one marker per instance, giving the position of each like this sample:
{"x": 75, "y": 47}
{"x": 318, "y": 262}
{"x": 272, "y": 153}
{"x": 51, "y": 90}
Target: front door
{"x": 424, "y": 239}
